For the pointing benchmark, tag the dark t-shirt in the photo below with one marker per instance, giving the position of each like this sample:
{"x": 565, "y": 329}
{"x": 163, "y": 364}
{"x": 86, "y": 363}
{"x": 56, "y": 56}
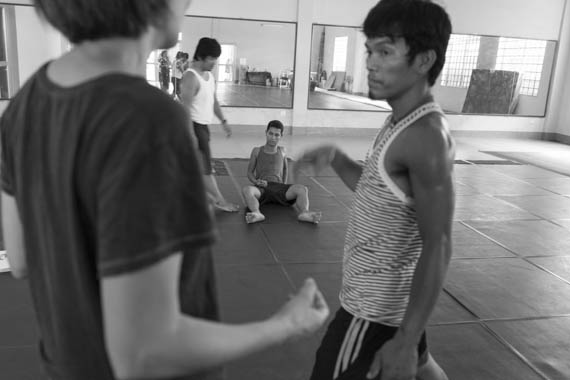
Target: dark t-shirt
{"x": 107, "y": 181}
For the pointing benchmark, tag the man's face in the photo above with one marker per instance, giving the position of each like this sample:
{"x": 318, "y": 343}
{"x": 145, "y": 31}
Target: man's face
{"x": 390, "y": 73}
{"x": 208, "y": 63}
{"x": 273, "y": 135}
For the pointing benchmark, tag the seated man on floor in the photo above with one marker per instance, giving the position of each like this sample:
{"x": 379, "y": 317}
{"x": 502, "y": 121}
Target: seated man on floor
{"x": 267, "y": 171}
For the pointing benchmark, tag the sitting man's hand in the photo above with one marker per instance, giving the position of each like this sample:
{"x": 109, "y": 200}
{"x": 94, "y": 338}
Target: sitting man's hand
{"x": 261, "y": 183}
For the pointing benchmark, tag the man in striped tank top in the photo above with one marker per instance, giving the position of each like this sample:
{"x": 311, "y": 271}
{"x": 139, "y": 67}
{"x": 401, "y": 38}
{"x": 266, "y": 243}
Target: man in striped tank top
{"x": 398, "y": 241}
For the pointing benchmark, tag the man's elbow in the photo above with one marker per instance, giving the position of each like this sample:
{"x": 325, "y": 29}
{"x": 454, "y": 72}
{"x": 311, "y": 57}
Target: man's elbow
{"x": 20, "y": 273}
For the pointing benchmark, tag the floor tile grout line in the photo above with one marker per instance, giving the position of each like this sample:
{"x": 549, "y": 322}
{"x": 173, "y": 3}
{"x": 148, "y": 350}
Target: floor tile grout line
{"x": 498, "y": 154}
{"x": 453, "y": 297}
{"x": 235, "y": 183}
{"x": 513, "y": 350}
{"x": 328, "y": 191}
{"x": 266, "y": 239}
{"x": 523, "y": 180}
{"x": 554, "y": 221}
{"x": 524, "y": 258}
{"x": 523, "y": 319}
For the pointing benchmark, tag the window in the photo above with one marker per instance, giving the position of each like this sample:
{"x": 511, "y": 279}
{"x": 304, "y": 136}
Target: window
{"x": 525, "y": 57}
{"x": 4, "y": 81}
{"x": 339, "y": 55}
{"x": 460, "y": 60}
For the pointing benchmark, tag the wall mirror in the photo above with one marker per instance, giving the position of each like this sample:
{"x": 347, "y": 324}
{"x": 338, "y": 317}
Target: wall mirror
{"x": 256, "y": 65}
{"x": 482, "y": 74}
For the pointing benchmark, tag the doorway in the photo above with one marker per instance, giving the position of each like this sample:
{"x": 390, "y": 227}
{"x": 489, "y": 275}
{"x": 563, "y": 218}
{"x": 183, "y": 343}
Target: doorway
{"x": 226, "y": 63}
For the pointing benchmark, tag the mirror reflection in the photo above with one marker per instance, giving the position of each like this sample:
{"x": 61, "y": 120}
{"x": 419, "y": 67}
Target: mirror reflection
{"x": 482, "y": 74}
{"x": 256, "y": 65}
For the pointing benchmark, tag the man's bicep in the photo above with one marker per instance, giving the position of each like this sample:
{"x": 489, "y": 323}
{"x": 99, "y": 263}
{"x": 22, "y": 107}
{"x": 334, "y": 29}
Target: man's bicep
{"x": 433, "y": 190}
{"x": 434, "y": 204}
{"x": 252, "y": 160}
{"x": 138, "y": 307}
{"x": 13, "y": 236}
{"x": 188, "y": 86}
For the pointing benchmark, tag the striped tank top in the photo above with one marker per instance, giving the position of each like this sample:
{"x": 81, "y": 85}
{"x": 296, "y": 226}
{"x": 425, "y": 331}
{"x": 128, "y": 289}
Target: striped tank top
{"x": 383, "y": 243}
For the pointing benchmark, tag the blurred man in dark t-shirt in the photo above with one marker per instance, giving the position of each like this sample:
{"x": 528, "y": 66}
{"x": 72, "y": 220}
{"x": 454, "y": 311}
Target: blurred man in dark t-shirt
{"x": 104, "y": 209}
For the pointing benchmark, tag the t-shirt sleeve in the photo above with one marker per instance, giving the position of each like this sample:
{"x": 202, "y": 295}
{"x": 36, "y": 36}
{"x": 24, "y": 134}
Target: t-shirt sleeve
{"x": 6, "y": 163}
{"x": 150, "y": 206}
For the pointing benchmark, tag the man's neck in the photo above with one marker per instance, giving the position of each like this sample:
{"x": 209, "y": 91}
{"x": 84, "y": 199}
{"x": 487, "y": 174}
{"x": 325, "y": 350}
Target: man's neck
{"x": 270, "y": 149}
{"x": 409, "y": 101}
{"x": 196, "y": 65}
{"x": 92, "y": 59}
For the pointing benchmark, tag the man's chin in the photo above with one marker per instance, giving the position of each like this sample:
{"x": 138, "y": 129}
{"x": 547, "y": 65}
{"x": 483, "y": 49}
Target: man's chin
{"x": 374, "y": 96}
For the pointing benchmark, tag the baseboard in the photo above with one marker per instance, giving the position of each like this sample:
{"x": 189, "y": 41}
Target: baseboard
{"x": 499, "y": 134}
{"x": 333, "y": 131}
{"x": 299, "y": 131}
{"x": 557, "y": 137}
{"x": 364, "y": 132}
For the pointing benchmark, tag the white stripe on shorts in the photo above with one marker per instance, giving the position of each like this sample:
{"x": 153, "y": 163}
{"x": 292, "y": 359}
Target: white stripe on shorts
{"x": 350, "y": 345}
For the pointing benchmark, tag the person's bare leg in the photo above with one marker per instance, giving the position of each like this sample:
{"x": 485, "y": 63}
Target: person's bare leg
{"x": 214, "y": 192}
{"x": 431, "y": 371}
{"x": 251, "y": 195}
{"x": 301, "y": 194}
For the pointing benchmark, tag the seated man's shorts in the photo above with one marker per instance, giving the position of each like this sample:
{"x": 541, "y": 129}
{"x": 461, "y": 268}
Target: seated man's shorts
{"x": 275, "y": 192}
{"x": 203, "y": 138}
{"x": 349, "y": 346}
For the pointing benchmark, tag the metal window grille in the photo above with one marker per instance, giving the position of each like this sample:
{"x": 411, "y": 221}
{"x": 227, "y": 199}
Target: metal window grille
{"x": 525, "y": 57}
{"x": 460, "y": 60}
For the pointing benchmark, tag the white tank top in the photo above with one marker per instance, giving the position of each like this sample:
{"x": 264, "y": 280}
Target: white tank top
{"x": 202, "y": 107}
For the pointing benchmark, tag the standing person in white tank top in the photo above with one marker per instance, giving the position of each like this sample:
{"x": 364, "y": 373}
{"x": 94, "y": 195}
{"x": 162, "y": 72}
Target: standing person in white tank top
{"x": 398, "y": 241}
{"x": 198, "y": 94}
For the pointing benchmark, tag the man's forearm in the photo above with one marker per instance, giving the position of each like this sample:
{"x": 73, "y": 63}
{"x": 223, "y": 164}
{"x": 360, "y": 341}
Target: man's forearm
{"x": 218, "y": 111}
{"x": 347, "y": 169}
{"x": 251, "y": 178}
{"x": 186, "y": 100}
{"x": 427, "y": 284}
{"x": 200, "y": 345}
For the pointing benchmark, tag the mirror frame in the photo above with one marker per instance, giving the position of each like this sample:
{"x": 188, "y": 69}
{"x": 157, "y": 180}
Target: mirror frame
{"x": 548, "y": 81}
{"x": 294, "y": 60}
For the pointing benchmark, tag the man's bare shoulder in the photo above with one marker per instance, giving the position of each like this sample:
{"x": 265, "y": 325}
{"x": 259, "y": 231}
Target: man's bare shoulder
{"x": 428, "y": 137}
{"x": 189, "y": 75}
{"x": 254, "y": 153}
{"x": 428, "y": 133}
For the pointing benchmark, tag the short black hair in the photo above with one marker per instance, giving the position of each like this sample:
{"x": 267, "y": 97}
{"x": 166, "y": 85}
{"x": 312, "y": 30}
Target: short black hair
{"x": 207, "y": 47}
{"x": 275, "y": 124}
{"x": 88, "y": 20}
{"x": 423, "y": 24}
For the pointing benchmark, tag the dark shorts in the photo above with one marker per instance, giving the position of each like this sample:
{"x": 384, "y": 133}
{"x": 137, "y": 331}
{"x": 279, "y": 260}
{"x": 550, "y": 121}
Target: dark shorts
{"x": 275, "y": 192}
{"x": 176, "y": 85}
{"x": 337, "y": 360}
{"x": 202, "y": 133}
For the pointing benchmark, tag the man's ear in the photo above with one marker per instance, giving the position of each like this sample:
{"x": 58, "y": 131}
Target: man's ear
{"x": 425, "y": 60}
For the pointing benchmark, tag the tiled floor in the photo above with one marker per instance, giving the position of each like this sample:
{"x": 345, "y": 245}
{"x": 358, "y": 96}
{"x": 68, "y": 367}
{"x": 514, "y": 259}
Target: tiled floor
{"x": 505, "y": 311}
